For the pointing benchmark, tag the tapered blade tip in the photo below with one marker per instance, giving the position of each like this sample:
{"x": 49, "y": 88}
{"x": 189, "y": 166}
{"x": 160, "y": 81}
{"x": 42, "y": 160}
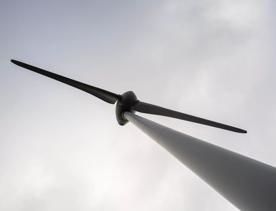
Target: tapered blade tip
{"x": 21, "y": 64}
{"x": 244, "y": 131}
{"x": 241, "y": 130}
{"x": 15, "y": 61}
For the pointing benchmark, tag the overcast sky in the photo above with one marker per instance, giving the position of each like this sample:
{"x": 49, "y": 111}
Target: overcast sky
{"x": 61, "y": 149}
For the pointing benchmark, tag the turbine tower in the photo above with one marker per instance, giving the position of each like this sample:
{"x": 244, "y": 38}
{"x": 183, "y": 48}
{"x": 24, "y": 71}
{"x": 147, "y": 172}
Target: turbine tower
{"x": 248, "y": 184}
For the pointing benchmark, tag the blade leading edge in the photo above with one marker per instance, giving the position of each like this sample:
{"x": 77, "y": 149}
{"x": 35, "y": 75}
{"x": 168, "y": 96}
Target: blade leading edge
{"x": 104, "y": 95}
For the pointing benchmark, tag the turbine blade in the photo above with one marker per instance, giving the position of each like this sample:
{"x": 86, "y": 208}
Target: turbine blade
{"x": 153, "y": 109}
{"x": 104, "y": 95}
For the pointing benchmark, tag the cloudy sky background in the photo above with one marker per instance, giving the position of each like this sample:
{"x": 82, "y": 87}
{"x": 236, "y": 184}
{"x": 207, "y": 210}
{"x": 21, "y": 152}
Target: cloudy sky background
{"x": 61, "y": 149}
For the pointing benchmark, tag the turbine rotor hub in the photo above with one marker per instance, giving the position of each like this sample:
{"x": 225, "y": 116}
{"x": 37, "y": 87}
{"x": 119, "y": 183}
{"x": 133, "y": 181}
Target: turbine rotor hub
{"x": 124, "y": 104}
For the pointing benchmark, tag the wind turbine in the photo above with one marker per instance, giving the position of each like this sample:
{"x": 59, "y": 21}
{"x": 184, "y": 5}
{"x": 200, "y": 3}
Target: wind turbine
{"x": 246, "y": 183}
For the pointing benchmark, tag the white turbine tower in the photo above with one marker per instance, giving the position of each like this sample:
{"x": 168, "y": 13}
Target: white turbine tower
{"x": 248, "y": 184}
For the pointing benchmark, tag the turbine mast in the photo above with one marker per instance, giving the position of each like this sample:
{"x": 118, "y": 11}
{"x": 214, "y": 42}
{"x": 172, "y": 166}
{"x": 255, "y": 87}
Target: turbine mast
{"x": 248, "y": 184}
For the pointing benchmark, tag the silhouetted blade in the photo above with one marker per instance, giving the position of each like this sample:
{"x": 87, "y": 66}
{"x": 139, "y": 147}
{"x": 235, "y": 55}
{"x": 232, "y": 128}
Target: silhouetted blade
{"x": 104, "y": 95}
{"x": 153, "y": 109}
